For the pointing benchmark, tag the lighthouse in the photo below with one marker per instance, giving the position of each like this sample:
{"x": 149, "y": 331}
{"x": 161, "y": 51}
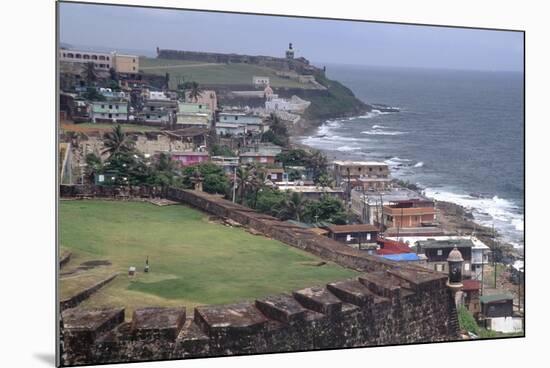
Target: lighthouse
{"x": 290, "y": 52}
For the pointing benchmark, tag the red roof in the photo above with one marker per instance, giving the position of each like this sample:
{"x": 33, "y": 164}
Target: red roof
{"x": 471, "y": 285}
{"x": 392, "y": 247}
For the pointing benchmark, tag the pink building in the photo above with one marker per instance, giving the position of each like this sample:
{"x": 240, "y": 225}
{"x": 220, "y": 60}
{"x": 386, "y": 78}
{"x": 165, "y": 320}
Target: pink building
{"x": 190, "y": 158}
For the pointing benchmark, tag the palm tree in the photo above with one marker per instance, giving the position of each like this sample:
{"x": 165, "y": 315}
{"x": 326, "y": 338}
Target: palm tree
{"x": 116, "y": 142}
{"x": 195, "y": 91}
{"x": 90, "y": 72}
{"x": 243, "y": 181}
{"x": 293, "y": 206}
{"x": 257, "y": 183}
{"x": 318, "y": 163}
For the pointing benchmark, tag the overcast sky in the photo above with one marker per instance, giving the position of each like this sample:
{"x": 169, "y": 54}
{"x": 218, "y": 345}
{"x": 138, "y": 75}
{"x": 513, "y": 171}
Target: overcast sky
{"x": 321, "y": 41}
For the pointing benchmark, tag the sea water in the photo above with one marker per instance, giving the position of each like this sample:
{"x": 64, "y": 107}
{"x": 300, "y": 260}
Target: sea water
{"x": 458, "y": 134}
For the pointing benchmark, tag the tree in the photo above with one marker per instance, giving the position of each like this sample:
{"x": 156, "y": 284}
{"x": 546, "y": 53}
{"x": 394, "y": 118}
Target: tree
{"x": 269, "y": 201}
{"x": 243, "y": 181}
{"x": 165, "y": 173}
{"x": 327, "y": 208}
{"x": 93, "y": 95}
{"x": 116, "y": 142}
{"x": 130, "y": 168}
{"x": 292, "y": 207}
{"x": 317, "y": 162}
{"x": 90, "y": 73}
{"x": 214, "y": 179}
{"x": 93, "y": 166}
{"x": 113, "y": 74}
{"x": 277, "y": 133}
{"x": 194, "y": 91}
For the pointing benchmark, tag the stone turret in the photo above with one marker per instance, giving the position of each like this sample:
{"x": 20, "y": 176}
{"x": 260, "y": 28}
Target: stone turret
{"x": 290, "y": 52}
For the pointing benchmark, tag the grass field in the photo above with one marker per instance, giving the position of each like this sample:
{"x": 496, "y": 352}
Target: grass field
{"x": 104, "y": 127}
{"x": 204, "y": 73}
{"x": 192, "y": 261}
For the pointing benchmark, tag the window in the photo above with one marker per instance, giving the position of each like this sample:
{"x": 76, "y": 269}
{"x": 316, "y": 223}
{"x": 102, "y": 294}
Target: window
{"x": 64, "y": 55}
{"x": 102, "y": 106}
{"x": 86, "y": 57}
{"x": 78, "y": 56}
{"x": 466, "y": 267}
{"x": 101, "y": 57}
{"x": 440, "y": 252}
{"x": 110, "y": 107}
{"x": 439, "y": 267}
{"x": 94, "y": 57}
{"x": 133, "y": 60}
{"x": 236, "y": 118}
{"x": 116, "y": 107}
{"x": 133, "y": 68}
{"x": 70, "y": 55}
{"x": 107, "y": 58}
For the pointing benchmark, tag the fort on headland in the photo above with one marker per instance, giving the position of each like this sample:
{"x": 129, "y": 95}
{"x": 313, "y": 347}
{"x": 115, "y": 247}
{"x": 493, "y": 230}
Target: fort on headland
{"x": 389, "y": 303}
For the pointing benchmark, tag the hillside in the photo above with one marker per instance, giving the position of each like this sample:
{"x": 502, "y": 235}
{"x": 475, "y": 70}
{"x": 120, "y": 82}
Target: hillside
{"x": 218, "y": 74}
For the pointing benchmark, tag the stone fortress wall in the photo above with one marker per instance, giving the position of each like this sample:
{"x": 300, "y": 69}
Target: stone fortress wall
{"x": 389, "y": 303}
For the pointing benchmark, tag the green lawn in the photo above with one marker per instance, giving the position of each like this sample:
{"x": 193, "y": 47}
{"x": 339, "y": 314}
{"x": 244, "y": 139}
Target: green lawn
{"x": 204, "y": 73}
{"x": 193, "y": 261}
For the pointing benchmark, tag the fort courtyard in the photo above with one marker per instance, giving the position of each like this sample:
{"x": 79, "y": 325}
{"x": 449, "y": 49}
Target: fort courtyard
{"x": 194, "y": 259}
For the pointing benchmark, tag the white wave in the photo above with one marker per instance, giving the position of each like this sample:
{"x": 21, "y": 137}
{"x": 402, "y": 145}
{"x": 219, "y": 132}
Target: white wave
{"x": 348, "y": 148}
{"x": 502, "y": 213}
{"x": 419, "y": 164}
{"x": 379, "y": 127}
{"x": 382, "y": 132}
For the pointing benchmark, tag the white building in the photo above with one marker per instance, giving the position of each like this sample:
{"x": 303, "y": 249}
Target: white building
{"x": 259, "y": 81}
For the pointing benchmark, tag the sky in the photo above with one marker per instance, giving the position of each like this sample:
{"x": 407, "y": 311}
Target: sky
{"x": 141, "y": 30}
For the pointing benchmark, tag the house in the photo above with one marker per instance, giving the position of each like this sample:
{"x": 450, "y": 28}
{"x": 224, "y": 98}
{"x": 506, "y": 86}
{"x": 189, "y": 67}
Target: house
{"x": 230, "y": 129}
{"x": 110, "y": 111}
{"x": 275, "y": 174}
{"x": 367, "y": 175}
{"x": 437, "y": 252}
{"x": 368, "y": 205}
{"x": 158, "y": 111}
{"x": 409, "y": 213}
{"x": 480, "y": 257}
{"x": 207, "y": 98}
{"x": 397, "y": 251}
{"x": 354, "y": 235}
{"x": 194, "y": 114}
{"x": 263, "y": 147}
{"x": 311, "y": 192}
{"x": 74, "y": 108}
{"x": 257, "y": 158}
{"x": 497, "y": 313}
{"x": 470, "y": 296}
{"x": 251, "y": 122}
{"x": 126, "y": 64}
{"x": 227, "y": 163}
{"x": 189, "y": 158}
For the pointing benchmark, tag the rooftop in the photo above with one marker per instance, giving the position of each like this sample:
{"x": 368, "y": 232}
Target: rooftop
{"x": 450, "y": 243}
{"x": 359, "y": 228}
{"x": 358, "y": 163}
{"x": 309, "y": 189}
{"x": 495, "y": 298}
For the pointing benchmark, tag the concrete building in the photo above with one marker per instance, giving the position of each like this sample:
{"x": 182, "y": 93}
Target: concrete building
{"x": 257, "y": 158}
{"x": 368, "y": 205}
{"x": 227, "y": 163}
{"x": 368, "y": 175}
{"x": 250, "y": 122}
{"x": 409, "y": 213}
{"x": 160, "y": 112}
{"x": 437, "y": 252}
{"x": 354, "y": 235}
{"x": 194, "y": 114}
{"x": 128, "y": 64}
{"x": 101, "y": 60}
{"x": 207, "y": 98}
{"x": 109, "y": 111}
{"x": 310, "y": 191}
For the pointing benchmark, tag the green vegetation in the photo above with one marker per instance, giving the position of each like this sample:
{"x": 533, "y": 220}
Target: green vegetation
{"x": 192, "y": 260}
{"x": 315, "y": 161}
{"x": 339, "y": 101}
{"x": 467, "y": 321}
{"x": 214, "y": 179}
{"x": 277, "y": 134}
{"x": 205, "y": 73}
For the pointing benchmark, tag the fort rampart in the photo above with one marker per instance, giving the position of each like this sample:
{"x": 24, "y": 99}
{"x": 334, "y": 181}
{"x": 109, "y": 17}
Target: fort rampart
{"x": 389, "y": 303}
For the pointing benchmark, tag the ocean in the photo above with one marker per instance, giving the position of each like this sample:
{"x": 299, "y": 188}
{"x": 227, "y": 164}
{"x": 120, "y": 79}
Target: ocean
{"x": 458, "y": 134}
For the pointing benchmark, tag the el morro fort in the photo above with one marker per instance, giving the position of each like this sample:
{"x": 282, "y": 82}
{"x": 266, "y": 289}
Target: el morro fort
{"x": 388, "y": 303}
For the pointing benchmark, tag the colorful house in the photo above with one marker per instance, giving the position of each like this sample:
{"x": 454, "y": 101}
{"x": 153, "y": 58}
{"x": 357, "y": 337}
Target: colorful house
{"x": 111, "y": 111}
{"x": 189, "y": 158}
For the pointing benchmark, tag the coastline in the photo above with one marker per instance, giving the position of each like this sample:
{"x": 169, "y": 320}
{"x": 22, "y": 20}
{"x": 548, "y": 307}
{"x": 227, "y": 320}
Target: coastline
{"x": 452, "y": 216}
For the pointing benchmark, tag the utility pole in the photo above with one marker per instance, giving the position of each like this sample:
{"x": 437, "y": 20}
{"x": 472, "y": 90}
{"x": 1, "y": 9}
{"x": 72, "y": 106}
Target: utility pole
{"x": 494, "y": 255}
{"x": 234, "y": 182}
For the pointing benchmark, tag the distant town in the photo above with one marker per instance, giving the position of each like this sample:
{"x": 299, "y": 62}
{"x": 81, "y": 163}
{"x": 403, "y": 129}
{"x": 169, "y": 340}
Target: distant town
{"x": 219, "y": 128}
